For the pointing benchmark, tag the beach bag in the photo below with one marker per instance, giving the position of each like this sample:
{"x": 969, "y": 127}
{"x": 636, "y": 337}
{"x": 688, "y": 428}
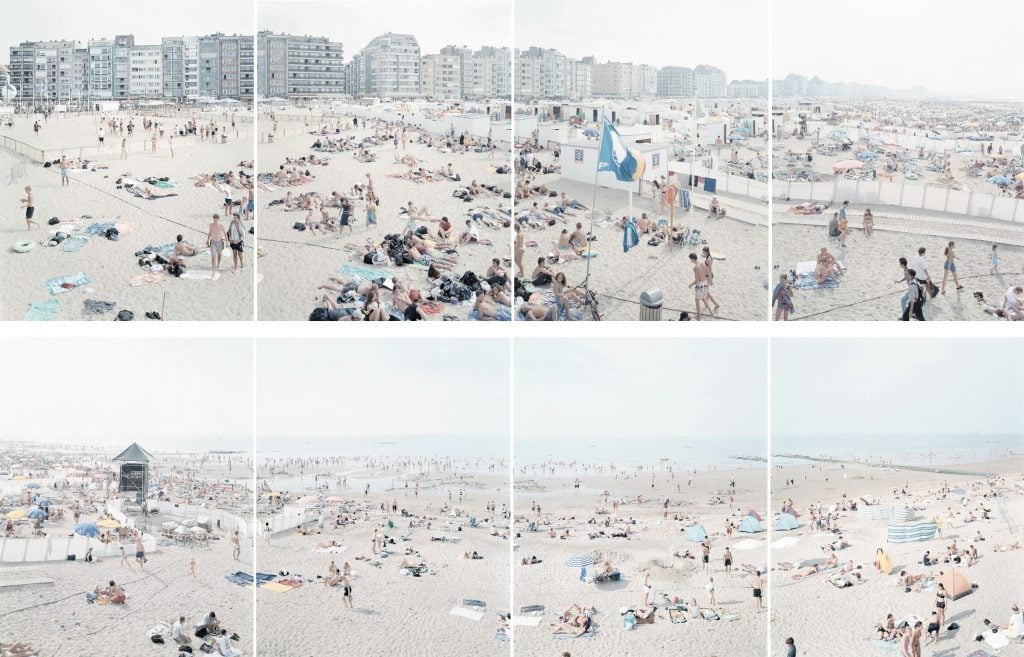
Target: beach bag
{"x": 299, "y": 226}
{"x": 470, "y": 279}
{"x": 124, "y": 316}
{"x": 203, "y": 631}
{"x": 542, "y": 279}
{"x": 318, "y": 315}
{"x": 53, "y": 221}
{"x": 933, "y": 290}
{"x": 156, "y": 638}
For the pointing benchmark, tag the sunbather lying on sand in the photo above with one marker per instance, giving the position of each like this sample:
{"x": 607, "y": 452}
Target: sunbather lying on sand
{"x": 16, "y": 650}
{"x": 813, "y": 570}
{"x": 578, "y": 626}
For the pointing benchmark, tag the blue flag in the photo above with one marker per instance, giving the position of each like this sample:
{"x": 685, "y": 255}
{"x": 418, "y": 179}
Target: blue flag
{"x": 626, "y": 164}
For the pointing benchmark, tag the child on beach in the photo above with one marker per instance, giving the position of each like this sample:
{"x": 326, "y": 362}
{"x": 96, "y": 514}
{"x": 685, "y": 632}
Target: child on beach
{"x": 995, "y": 259}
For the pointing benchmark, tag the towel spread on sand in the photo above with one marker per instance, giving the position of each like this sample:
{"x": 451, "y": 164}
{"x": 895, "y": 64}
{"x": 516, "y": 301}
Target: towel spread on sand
{"x": 467, "y": 613}
{"x": 148, "y": 278}
{"x": 785, "y": 542}
{"x": 365, "y": 272}
{"x": 246, "y": 579}
{"x": 95, "y": 307}
{"x": 74, "y": 244}
{"x": 61, "y": 284}
{"x": 586, "y": 635}
{"x": 996, "y": 640}
{"x": 331, "y": 549}
{"x": 529, "y": 621}
{"x": 44, "y": 311}
{"x": 200, "y": 274}
{"x": 275, "y": 587}
{"x": 100, "y": 228}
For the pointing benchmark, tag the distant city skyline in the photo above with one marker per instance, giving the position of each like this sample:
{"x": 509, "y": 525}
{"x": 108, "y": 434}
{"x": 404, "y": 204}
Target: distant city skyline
{"x": 951, "y": 49}
{"x": 654, "y": 32}
{"x": 355, "y": 23}
{"x": 56, "y": 20}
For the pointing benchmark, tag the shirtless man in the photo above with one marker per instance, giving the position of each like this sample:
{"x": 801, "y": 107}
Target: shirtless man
{"x": 578, "y": 240}
{"x": 236, "y": 546}
{"x": 520, "y": 249}
{"x": 29, "y": 203}
{"x": 700, "y": 285}
{"x": 215, "y": 238}
{"x": 757, "y": 584}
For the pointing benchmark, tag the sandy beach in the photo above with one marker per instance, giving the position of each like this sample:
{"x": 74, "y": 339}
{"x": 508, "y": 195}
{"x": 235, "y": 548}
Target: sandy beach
{"x": 90, "y": 266}
{"x": 738, "y": 243}
{"x": 411, "y": 592}
{"x": 619, "y": 516}
{"x": 70, "y": 481}
{"x": 296, "y": 263}
{"x": 807, "y": 606}
{"x": 868, "y": 289}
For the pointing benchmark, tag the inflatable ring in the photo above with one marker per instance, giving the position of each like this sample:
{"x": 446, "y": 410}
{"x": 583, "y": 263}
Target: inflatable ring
{"x": 23, "y": 246}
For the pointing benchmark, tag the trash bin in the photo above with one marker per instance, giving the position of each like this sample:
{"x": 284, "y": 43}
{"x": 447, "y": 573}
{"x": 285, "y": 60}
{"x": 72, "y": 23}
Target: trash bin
{"x": 223, "y": 139}
{"x": 650, "y": 305}
{"x": 270, "y": 138}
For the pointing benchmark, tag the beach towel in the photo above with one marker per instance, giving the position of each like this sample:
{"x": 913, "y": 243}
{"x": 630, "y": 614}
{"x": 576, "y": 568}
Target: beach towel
{"x": 61, "y": 284}
{"x": 467, "y": 613}
{"x": 74, "y": 244}
{"x": 149, "y": 278}
{"x": 92, "y": 307}
{"x": 884, "y": 645}
{"x": 996, "y": 640}
{"x": 246, "y": 579}
{"x": 44, "y": 311}
{"x": 630, "y": 238}
{"x": 200, "y": 274}
{"x": 364, "y": 272}
{"x": 275, "y": 587}
{"x": 980, "y": 653}
{"x": 592, "y": 632}
{"x": 710, "y": 614}
{"x": 528, "y": 621}
{"x": 100, "y": 228}
{"x": 331, "y": 549}
{"x": 676, "y": 616}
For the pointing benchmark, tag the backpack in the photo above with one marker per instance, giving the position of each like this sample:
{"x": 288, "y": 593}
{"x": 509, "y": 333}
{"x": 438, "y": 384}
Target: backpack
{"x": 318, "y": 315}
{"x": 470, "y": 279}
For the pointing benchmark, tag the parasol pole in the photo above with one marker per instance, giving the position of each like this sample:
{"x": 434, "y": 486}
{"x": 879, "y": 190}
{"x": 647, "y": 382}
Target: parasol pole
{"x": 593, "y": 206}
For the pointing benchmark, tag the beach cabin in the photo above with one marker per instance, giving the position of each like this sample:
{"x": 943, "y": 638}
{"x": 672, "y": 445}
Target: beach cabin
{"x": 579, "y": 162}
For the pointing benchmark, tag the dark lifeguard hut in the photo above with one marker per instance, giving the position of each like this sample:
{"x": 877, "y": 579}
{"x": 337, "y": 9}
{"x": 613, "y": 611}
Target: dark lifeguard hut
{"x": 133, "y": 472}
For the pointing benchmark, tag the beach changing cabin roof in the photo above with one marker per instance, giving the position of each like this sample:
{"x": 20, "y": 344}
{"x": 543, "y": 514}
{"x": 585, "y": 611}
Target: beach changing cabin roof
{"x": 134, "y": 454}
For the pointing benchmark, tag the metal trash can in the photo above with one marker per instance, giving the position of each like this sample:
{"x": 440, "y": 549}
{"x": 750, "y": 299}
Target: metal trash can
{"x": 650, "y": 305}
{"x": 270, "y": 138}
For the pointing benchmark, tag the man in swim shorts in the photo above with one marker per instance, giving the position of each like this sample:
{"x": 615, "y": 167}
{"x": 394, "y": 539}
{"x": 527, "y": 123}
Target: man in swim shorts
{"x": 215, "y": 238}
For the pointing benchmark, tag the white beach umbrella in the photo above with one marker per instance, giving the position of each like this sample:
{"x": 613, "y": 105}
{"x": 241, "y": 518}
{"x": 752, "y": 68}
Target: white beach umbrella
{"x": 580, "y": 560}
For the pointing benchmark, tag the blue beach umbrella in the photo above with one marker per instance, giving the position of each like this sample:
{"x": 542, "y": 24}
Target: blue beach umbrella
{"x": 36, "y": 513}
{"x": 43, "y": 501}
{"x": 1002, "y": 181}
{"x": 87, "y": 529}
{"x": 590, "y": 132}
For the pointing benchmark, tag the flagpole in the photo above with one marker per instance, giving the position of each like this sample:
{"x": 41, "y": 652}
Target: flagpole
{"x": 593, "y": 205}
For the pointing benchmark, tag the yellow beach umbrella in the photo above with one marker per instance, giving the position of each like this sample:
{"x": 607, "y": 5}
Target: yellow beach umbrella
{"x": 108, "y": 523}
{"x": 16, "y": 514}
{"x": 1020, "y": 176}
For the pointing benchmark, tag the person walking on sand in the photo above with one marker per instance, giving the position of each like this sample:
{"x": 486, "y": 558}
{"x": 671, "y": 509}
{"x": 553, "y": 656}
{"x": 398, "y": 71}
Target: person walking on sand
{"x": 371, "y": 207}
{"x": 215, "y": 240}
{"x": 124, "y": 558}
{"x": 192, "y": 567}
{"x": 844, "y": 227}
{"x": 520, "y": 249}
{"x": 700, "y": 285}
{"x": 921, "y": 269}
{"x": 995, "y": 259}
{"x": 236, "y": 240}
{"x": 170, "y": 143}
{"x": 790, "y": 647}
{"x": 710, "y": 588}
{"x": 709, "y": 266}
{"x": 140, "y": 552}
{"x": 346, "y": 591}
{"x": 757, "y": 584}
{"x": 152, "y": 140}
{"x": 940, "y": 603}
{"x": 949, "y": 267}
{"x": 29, "y": 203}
{"x": 782, "y": 298}
{"x": 705, "y": 547}
{"x": 236, "y": 546}
{"x": 727, "y": 558}
{"x": 100, "y": 135}
{"x": 647, "y": 587}
{"x": 124, "y": 149}
{"x": 64, "y": 181}
{"x": 915, "y": 640}
{"x": 868, "y": 223}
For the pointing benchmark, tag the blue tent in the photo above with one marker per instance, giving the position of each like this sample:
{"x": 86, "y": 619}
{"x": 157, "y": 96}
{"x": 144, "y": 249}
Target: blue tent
{"x": 750, "y": 525}
{"x": 87, "y": 529}
{"x": 786, "y": 522}
{"x": 696, "y": 534}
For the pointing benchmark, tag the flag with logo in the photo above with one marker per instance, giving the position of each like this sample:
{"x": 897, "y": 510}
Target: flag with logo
{"x": 627, "y": 164}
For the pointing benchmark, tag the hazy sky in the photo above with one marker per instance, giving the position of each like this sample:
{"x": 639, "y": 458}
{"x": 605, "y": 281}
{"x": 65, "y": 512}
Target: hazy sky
{"x": 354, "y": 23}
{"x": 163, "y": 393}
{"x": 44, "y": 20}
{"x": 729, "y": 34}
{"x": 858, "y": 387}
{"x": 377, "y": 388}
{"x": 948, "y": 47}
{"x": 594, "y": 389}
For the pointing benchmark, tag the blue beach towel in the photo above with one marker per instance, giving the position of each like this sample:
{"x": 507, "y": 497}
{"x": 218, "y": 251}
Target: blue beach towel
{"x": 74, "y": 244}
{"x": 98, "y": 229}
{"x": 365, "y": 272}
{"x": 55, "y": 285}
{"x": 44, "y": 311}
{"x": 630, "y": 238}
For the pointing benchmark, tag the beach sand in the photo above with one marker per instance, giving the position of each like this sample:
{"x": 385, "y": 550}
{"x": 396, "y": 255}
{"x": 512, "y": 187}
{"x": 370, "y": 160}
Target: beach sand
{"x": 295, "y": 263}
{"x": 868, "y": 290}
{"x": 392, "y": 613}
{"x": 111, "y": 265}
{"x": 825, "y": 620}
{"x": 739, "y": 244}
{"x": 57, "y": 621}
{"x": 650, "y": 549}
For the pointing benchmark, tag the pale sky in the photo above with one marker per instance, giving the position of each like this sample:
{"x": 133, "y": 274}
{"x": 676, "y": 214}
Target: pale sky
{"x": 593, "y": 389}
{"x": 378, "y": 388}
{"x": 729, "y": 34}
{"x": 46, "y": 20}
{"x": 955, "y": 48}
{"x": 163, "y": 393}
{"x": 918, "y": 387}
{"x": 354, "y": 23}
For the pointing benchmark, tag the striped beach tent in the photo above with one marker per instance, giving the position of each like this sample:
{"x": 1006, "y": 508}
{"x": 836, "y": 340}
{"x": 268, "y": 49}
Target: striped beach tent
{"x": 912, "y": 532}
{"x": 750, "y": 525}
